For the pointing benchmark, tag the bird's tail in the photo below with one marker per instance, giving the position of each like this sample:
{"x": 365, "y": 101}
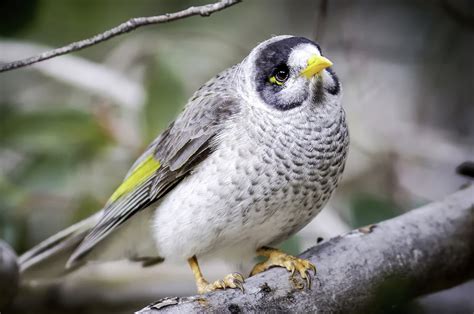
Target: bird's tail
{"x": 48, "y": 258}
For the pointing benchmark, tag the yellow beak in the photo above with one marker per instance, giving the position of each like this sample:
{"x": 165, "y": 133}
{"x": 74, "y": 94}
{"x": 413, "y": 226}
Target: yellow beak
{"x": 315, "y": 65}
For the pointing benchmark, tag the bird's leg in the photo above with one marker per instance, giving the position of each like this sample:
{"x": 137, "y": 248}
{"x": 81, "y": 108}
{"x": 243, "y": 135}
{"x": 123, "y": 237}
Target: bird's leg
{"x": 234, "y": 280}
{"x": 278, "y": 258}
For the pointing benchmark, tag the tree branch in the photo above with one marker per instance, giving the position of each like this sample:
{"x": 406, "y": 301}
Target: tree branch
{"x": 9, "y": 274}
{"x": 425, "y": 250}
{"x": 128, "y": 26}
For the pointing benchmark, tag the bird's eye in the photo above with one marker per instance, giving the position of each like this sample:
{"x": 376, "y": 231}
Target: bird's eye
{"x": 280, "y": 75}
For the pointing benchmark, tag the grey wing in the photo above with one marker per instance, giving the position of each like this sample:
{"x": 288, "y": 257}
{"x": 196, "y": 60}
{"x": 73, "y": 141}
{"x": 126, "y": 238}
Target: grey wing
{"x": 179, "y": 149}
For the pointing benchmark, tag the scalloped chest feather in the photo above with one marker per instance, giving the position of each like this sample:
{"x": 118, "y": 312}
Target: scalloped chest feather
{"x": 265, "y": 181}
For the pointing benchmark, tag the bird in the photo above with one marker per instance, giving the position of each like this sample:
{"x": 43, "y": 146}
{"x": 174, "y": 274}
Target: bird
{"x": 253, "y": 157}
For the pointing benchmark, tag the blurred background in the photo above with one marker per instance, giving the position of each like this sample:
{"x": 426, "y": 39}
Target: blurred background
{"x": 71, "y": 127}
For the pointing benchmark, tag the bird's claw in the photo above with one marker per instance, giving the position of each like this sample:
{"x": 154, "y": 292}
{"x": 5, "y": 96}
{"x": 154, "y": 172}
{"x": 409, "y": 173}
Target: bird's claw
{"x": 302, "y": 266}
{"x": 291, "y": 263}
{"x": 234, "y": 280}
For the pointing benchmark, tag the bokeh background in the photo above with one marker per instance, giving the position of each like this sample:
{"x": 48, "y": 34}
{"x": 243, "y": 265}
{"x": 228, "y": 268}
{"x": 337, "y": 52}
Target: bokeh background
{"x": 71, "y": 127}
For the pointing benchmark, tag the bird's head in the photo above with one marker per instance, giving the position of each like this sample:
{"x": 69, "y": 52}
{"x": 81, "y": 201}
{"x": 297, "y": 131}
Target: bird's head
{"x": 287, "y": 72}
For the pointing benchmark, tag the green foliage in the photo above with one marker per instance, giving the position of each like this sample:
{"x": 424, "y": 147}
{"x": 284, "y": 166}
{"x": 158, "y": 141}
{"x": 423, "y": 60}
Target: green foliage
{"x": 165, "y": 99}
{"x": 368, "y": 209}
{"x": 52, "y": 140}
{"x": 87, "y": 206}
{"x": 56, "y": 130}
{"x": 52, "y": 143}
{"x": 16, "y": 15}
{"x": 12, "y": 224}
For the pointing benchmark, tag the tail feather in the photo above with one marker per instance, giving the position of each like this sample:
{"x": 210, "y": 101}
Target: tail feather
{"x": 133, "y": 240}
{"x": 48, "y": 258}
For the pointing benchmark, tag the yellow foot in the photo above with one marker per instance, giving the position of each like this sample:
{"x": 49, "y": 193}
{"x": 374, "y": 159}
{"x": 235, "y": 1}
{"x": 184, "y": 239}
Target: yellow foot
{"x": 234, "y": 280}
{"x": 276, "y": 258}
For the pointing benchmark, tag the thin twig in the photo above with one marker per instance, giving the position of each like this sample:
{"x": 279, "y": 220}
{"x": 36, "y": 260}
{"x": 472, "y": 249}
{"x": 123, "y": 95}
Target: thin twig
{"x": 125, "y": 27}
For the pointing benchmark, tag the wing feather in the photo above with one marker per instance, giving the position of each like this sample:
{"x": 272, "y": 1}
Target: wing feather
{"x": 166, "y": 161}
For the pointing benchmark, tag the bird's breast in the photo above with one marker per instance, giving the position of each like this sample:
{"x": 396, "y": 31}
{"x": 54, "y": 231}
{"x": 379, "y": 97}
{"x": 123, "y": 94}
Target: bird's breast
{"x": 259, "y": 186}
{"x": 303, "y": 160}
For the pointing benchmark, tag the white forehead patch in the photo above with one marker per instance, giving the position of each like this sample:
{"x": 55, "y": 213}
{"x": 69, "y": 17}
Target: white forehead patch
{"x": 300, "y": 54}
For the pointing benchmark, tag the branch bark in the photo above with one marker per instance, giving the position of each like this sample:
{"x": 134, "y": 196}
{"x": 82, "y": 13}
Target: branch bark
{"x": 425, "y": 250}
{"x": 9, "y": 274}
{"x": 128, "y": 26}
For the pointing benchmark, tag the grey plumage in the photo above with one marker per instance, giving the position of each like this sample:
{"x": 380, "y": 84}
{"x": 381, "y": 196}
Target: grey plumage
{"x": 247, "y": 163}
{"x": 179, "y": 149}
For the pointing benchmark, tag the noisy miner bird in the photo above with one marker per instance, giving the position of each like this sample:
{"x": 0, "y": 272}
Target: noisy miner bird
{"x": 252, "y": 158}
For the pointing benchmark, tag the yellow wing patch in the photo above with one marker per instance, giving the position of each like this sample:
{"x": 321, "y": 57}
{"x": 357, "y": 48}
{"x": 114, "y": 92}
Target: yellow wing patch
{"x": 142, "y": 172}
